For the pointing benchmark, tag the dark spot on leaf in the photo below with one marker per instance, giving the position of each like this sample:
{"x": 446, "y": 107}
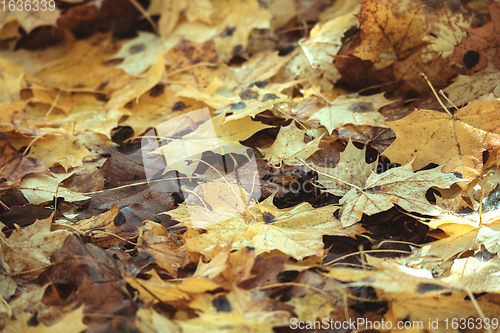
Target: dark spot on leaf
{"x": 471, "y": 58}
{"x": 136, "y": 48}
{"x": 246, "y": 94}
{"x": 457, "y": 174}
{"x": 250, "y": 248}
{"x": 119, "y": 219}
{"x": 238, "y": 106}
{"x": 178, "y": 106}
{"x": 260, "y": 84}
{"x": 428, "y": 287}
{"x": 103, "y": 85}
{"x": 362, "y": 107}
{"x": 268, "y": 217}
{"x": 157, "y": 90}
{"x": 269, "y": 97}
{"x": 221, "y": 303}
{"x": 237, "y": 49}
{"x": 228, "y": 32}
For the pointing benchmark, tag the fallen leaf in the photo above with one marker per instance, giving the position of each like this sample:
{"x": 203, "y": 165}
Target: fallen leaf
{"x": 325, "y": 40}
{"x": 237, "y": 19}
{"x": 445, "y": 29}
{"x": 385, "y": 37}
{"x": 150, "y": 321}
{"x": 11, "y": 81}
{"x": 456, "y": 141}
{"x": 239, "y": 310}
{"x": 397, "y": 186}
{"x": 352, "y": 169}
{"x": 296, "y": 231}
{"x": 14, "y": 166}
{"x": 161, "y": 244}
{"x": 138, "y": 54}
{"x": 290, "y": 147}
{"x": 70, "y": 322}
{"x": 479, "y": 86}
{"x": 29, "y": 249}
{"x": 352, "y": 109}
{"x": 41, "y": 188}
{"x": 481, "y": 45}
{"x": 156, "y": 290}
{"x": 61, "y": 149}
{"x": 137, "y": 88}
{"x": 37, "y": 16}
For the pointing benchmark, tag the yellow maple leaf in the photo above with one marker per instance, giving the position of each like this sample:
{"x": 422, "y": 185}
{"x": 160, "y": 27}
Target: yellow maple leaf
{"x": 397, "y": 186}
{"x": 352, "y": 109}
{"x": 295, "y": 231}
{"x": 290, "y": 147}
{"x": 457, "y": 140}
{"x": 385, "y": 37}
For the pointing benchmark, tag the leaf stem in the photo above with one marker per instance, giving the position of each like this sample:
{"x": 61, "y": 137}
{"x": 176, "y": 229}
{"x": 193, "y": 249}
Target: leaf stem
{"x": 435, "y": 94}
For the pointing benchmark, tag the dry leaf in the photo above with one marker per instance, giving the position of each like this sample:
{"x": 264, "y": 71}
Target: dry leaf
{"x": 29, "y": 249}
{"x": 296, "y": 231}
{"x": 385, "y": 37}
{"x": 161, "y": 244}
{"x": 352, "y": 109}
{"x": 397, "y": 186}
{"x": 456, "y": 141}
{"x": 482, "y": 85}
{"x": 290, "y": 147}
{"x": 351, "y": 169}
{"x": 14, "y": 166}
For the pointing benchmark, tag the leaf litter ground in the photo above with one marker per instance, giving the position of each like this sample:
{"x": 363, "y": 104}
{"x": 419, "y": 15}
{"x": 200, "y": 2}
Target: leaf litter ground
{"x": 254, "y": 166}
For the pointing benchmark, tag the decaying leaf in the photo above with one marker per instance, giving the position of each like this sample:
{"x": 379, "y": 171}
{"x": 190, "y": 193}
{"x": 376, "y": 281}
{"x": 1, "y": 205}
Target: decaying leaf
{"x": 445, "y": 30}
{"x": 158, "y": 242}
{"x": 481, "y": 45}
{"x": 14, "y": 166}
{"x": 203, "y": 174}
{"x": 481, "y": 85}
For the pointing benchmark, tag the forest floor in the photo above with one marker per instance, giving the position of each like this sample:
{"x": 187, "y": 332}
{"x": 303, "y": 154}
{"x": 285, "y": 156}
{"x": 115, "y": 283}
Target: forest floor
{"x": 250, "y": 166}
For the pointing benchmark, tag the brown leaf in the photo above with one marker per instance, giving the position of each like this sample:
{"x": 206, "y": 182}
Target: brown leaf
{"x": 162, "y": 245}
{"x": 29, "y": 249}
{"x": 14, "y": 166}
{"x": 482, "y": 45}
